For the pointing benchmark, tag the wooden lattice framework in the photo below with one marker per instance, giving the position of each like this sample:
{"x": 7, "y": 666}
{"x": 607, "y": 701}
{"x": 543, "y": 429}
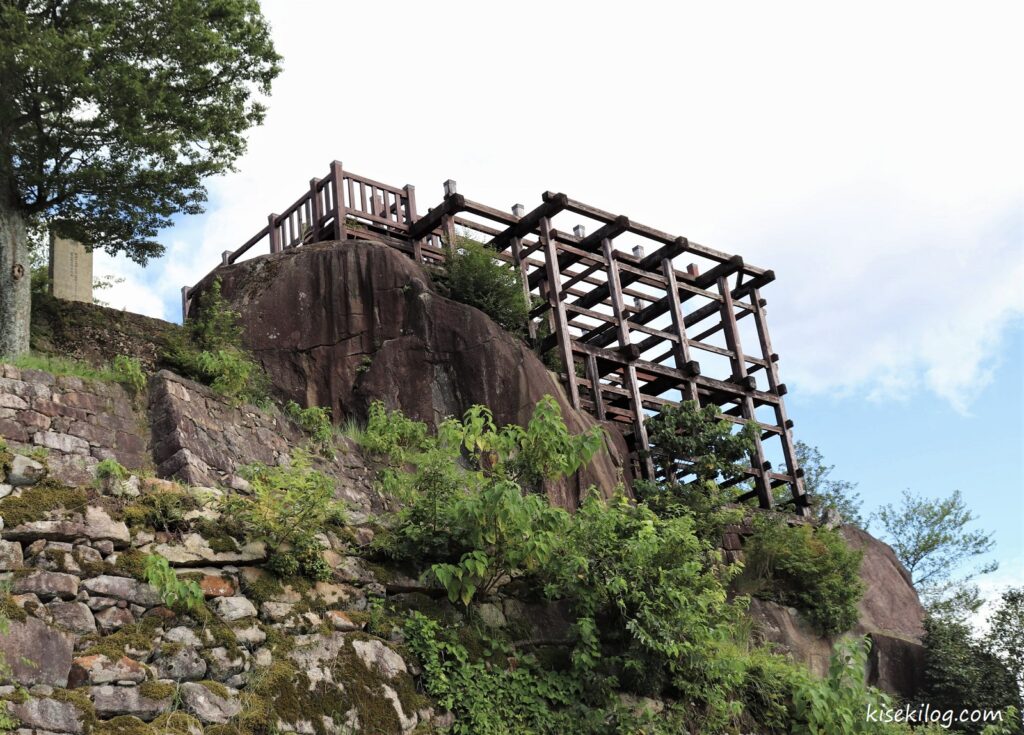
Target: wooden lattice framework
{"x": 636, "y": 331}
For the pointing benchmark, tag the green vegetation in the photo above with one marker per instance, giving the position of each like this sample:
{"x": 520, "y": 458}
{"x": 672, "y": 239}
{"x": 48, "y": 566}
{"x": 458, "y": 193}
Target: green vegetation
{"x": 961, "y": 672}
{"x": 933, "y": 540}
{"x": 37, "y": 502}
{"x": 289, "y": 506}
{"x": 212, "y": 353}
{"x": 474, "y": 275}
{"x": 825, "y": 491}
{"x": 316, "y": 421}
{"x": 809, "y": 568}
{"x": 175, "y": 592}
{"x": 128, "y": 371}
{"x": 161, "y": 509}
{"x": 111, "y": 469}
{"x": 645, "y": 584}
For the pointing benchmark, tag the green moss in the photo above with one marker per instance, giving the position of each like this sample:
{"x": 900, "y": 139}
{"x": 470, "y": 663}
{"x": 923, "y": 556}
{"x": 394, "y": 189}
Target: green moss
{"x": 160, "y": 510}
{"x": 261, "y": 590}
{"x": 80, "y": 699}
{"x": 157, "y": 689}
{"x": 219, "y": 630}
{"x": 9, "y": 609}
{"x": 38, "y": 502}
{"x": 218, "y": 689}
{"x": 131, "y": 562}
{"x": 216, "y": 535}
{"x": 221, "y": 730}
{"x": 138, "y": 637}
{"x": 124, "y": 725}
{"x": 6, "y": 458}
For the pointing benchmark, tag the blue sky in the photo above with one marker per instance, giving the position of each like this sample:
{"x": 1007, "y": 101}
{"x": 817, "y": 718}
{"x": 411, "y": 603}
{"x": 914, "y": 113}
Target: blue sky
{"x": 870, "y": 154}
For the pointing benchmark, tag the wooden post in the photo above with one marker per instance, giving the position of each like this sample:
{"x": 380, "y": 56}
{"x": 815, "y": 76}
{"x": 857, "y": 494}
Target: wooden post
{"x": 558, "y": 308}
{"x": 184, "y": 302}
{"x": 410, "y": 217}
{"x": 518, "y": 210}
{"x": 338, "y": 175}
{"x": 315, "y": 212}
{"x": 275, "y": 236}
{"x": 682, "y": 348}
{"x": 632, "y": 384}
{"x": 800, "y": 500}
{"x": 448, "y": 221}
{"x": 739, "y": 367}
{"x": 595, "y": 387}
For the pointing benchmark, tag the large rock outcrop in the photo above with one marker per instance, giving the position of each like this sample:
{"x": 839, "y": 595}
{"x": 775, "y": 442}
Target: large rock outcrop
{"x": 889, "y": 612}
{"x": 341, "y": 325}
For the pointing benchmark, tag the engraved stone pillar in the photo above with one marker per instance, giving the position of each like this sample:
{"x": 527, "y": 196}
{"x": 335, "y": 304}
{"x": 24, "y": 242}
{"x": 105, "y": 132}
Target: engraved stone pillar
{"x": 70, "y": 270}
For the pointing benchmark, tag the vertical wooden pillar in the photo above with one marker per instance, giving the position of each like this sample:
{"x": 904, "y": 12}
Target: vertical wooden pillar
{"x": 682, "y": 347}
{"x": 632, "y": 384}
{"x": 410, "y": 218}
{"x": 739, "y": 368}
{"x": 184, "y": 302}
{"x": 595, "y": 388}
{"x": 558, "y": 309}
{"x": 340, "y": 213}
{"x": 275, "y": 236}
{"x": 800, "y": 500}
{"x": 315, "y": 210}
{"x": 518, "y": 210}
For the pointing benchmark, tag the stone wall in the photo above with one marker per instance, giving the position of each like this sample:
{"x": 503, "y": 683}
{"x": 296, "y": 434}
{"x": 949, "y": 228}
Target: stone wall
{"x": 77, "y": 422}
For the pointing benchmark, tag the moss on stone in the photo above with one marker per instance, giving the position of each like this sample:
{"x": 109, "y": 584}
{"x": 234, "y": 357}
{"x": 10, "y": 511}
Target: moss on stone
{"x": 157, "y": 689}
{"x": 123, "y": 725}
{"x": 261, "y": 590}
{"x": 176, "y": 723}
{"x": 38, "y": 502}
{"x": 131, "y": 562}
{"x": 6, "y": 458}
{"x": 138, "y": 637}
{"x": 10, "y": 609}
{"x": 216, "y": 688}
{"x": 81, "y": 701}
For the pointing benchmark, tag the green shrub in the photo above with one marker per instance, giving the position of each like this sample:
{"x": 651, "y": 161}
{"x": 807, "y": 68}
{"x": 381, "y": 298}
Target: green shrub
{"x": 111, "y": 468}
{"x": 161, "y": 510}
{"x": 175, "y": 592}
{"x": 811, "y": 569}
{"x": 290, "y": 504}
{"x": 213, "y": 354}
{"x": 128, "y": 371}
{"x": 316, "y": 421}
{"x": 391, "y": 434}
{"x": 474, "y": 275}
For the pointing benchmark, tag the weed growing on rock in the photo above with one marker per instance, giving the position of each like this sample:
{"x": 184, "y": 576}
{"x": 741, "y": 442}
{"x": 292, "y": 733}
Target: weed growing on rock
{"x": 289, "y": 506}
{"x": 175, "y": 592}
{"x": 316, "y": 421}
{"x": 128, "y": 371}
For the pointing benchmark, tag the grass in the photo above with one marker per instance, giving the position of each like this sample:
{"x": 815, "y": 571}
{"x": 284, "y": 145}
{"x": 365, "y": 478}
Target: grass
{"x": 125, "y": 370}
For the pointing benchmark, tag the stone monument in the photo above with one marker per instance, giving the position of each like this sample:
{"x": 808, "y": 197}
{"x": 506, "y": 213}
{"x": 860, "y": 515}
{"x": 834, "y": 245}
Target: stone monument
{"x": 70, "y": 270}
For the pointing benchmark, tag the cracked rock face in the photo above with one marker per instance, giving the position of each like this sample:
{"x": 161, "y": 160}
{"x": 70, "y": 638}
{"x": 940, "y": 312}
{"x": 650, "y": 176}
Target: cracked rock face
{"x": 343, "y": 325}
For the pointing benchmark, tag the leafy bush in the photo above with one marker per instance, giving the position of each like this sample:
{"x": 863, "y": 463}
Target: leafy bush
{"x": 213, "y": 353}
{"x": 162, "y": 510}
{"x": 112, "y": 469}
{"x": 316, "y": 421}
{"x": 960, "y": 672}
{"x": 474, "y": 275}
{"x": 128, "y": 371}
{"x": 173, "y": 591}
{"x": 290, "y": 504}
{"x": 811, "y": 569}
{"x": 464, "y": 504}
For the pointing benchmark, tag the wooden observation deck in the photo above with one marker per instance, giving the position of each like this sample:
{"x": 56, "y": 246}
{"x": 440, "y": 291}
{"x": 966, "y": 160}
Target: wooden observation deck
{"x": 637, "y": 331}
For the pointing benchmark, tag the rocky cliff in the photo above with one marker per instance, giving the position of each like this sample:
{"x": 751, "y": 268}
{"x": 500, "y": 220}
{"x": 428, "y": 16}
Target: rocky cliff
{"x": 94, "y": 648}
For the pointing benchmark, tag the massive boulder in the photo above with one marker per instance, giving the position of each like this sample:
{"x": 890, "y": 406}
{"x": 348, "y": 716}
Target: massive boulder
{"x": 890, "y": 613}
{"x": 343, "y": 324}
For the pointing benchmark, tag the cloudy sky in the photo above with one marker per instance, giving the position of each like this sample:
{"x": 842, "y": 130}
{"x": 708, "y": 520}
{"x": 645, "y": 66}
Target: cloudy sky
{"x": 870, "y": 153}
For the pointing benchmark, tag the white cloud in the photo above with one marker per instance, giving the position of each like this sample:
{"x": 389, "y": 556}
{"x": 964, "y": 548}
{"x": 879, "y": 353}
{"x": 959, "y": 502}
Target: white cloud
{"x": 871, "y": 154}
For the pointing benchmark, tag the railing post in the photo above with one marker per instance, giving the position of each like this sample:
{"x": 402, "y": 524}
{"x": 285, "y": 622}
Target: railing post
{"x": 410, "y": 218}
{"x": 315, "y": 214}
{"x": 338, "y": 175}
{"x": 225, "y": 258}
{"x": 558, "y": 308}
{"x": 448, "y": 221}
{"x": 184, "y": 302}
{"x": 275, "y": 236}
{"x": 518, "y": 210}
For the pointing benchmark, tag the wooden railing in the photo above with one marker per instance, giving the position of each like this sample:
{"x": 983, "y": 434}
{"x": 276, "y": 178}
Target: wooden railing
{"x": 631, "y": 330}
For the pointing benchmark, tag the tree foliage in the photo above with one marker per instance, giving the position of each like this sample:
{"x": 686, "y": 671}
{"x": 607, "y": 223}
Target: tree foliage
{"x": 112, "y": 113}
{"x": 1005, "y": 635}
{"x": 474, "y": 276}
{"x": 933, "y": 540}
{"x": 827, "y": 492}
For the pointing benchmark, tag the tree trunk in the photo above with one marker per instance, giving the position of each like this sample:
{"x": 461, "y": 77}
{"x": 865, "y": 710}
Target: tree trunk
{"x": 15, "y": 280}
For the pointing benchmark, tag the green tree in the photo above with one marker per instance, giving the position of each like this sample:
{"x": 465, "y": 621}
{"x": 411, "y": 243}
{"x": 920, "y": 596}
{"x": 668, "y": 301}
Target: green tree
{"x": 1006, "y": 633}
{"x": 840, "y": 495}
{"x": 111, "y": 116}
{"x": 933, "y": 540}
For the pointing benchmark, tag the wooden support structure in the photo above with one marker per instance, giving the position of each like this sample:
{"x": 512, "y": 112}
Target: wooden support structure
{"x": 646, "y": 331}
